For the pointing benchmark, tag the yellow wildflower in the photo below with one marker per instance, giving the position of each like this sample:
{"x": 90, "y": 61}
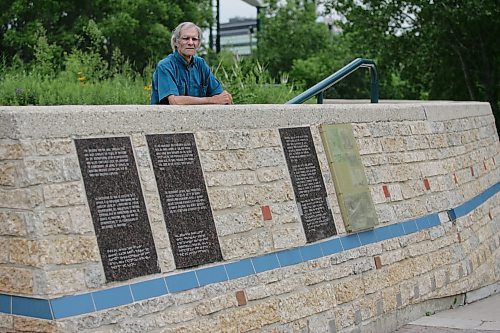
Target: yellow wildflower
{"x": 81, "y": 77}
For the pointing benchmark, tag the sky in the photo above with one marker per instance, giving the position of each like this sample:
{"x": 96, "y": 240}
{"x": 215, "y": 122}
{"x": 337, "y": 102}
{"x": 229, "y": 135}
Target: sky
{"x": 233, "y": 8}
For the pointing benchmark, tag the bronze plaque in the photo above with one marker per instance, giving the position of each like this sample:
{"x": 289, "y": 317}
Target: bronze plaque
{"x": 351, "y": 185}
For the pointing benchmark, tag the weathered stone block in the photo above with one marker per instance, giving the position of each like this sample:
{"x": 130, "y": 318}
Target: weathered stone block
{"x": 228, "y": 160}
{"x": 369, "y": 146}
{"x": 241, "y": 245}
{"x": 374, "y": 281}
{"x": 65, "y": 281}
{"x": 306, "y": 302}
{"x": 25, "y": 324}
{"x": 4, "y": 254}
{"x": 142, "y": 157}
{"x": 289, "y": 237}
{"x": 251, "y": 317}
{"x": 20, "y": 198}
{"x": 6, "y": 322}
{"x": 209, "y": 140}
{"x": 11, "y": 150}
{"x": 231, "y": 178}
{"x": 28, "y": 252}
{"x": 265, "y": 194}
{"x": 53, "y": 222}
{"x": 417, "y": 142}
{"x": 285, "y": 285}
{"x": 94, "y": 276}
{"x": 229, "y": 223}
{"x": 54, "y": 147}
{"x": 81, "y": 221}
{"x": 344, "y": 315}
{"x": 73, "y": 250}
{"x": 15, "y": 280}
{"x": 216, "y": 304}
{"x": 61, "y": 195}
{"x": 153, "y": 204}
{"x": 12, "y": 224}
{"x": 269, "y": 157}
{"x": 270, "y": 174}
{"x": 393, "y": 144}
{"x": 71, "y": 169}
{"x": 349, "y": 289}
{"x": 257, "y": 292}
{"x": 264, "y": 138}
{"x": 223, "y": 198}
{"x": 8, "y": 173}
{"x": 43, "y": 171}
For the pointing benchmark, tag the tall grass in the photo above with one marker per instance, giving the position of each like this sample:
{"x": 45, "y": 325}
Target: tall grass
{"x": 86, "y": 78}
{"x": 28, "y": 88}
{"x": 250, "y": 83}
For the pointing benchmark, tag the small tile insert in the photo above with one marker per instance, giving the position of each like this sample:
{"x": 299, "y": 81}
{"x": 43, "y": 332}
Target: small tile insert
{"x": 241, "y": 297}
{"x": 266, "y": 213}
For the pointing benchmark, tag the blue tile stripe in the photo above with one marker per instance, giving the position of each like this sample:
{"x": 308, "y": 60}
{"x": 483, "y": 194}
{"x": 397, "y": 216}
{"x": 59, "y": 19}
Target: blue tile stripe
{"x": 31, "y": 307}
{"x": 112, "y": 297}
{"x": 68, "y": 306}
{"x": 475, "y": 202}
{"x": 266, "y": 262}
{"x": 5, "y": 304}
{"x": 211, "y": 275}
{"x": 73, "y": 305}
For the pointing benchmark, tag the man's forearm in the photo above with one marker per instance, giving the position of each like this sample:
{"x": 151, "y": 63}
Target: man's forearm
{"x": 189, "y": 100}
{"x": 222, "y": 98}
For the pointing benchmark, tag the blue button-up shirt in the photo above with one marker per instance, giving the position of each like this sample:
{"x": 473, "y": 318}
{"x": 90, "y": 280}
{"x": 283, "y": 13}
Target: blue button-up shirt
{"x": 174, "y": 76}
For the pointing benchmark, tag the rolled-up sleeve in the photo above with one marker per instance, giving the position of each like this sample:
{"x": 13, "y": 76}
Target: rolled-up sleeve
{"x": 163, "y": 83}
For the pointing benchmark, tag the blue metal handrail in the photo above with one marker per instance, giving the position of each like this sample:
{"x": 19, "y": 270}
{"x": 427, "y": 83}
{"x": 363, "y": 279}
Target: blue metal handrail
{"x": 318, "y": 89}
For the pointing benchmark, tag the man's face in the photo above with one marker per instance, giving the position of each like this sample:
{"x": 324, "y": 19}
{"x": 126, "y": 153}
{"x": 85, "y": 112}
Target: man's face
{"x": 188, "y": 43}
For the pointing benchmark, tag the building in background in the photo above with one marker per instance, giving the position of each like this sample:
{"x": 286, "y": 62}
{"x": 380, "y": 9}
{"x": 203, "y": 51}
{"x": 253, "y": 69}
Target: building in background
{"x": 239, "y": 36}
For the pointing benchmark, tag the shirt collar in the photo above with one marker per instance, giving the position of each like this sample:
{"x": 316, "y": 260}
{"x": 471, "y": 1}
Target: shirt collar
{"x": 183, "y": 61}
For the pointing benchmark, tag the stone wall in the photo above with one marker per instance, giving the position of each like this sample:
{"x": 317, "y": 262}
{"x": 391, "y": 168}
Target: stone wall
{"x": 432, "y": 172}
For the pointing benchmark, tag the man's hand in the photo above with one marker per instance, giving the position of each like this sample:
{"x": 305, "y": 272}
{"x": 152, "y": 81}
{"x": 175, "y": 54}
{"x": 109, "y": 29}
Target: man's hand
{"x": 223, "y": 98}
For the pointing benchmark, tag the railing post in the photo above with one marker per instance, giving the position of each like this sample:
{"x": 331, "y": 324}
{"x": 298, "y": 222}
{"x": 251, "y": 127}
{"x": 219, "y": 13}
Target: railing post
{"x": 374, "y": 85}
{"x": 319, "y": 97}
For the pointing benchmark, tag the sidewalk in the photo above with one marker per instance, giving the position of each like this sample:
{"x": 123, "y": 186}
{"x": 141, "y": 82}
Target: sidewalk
{"x": 479, "y": 317}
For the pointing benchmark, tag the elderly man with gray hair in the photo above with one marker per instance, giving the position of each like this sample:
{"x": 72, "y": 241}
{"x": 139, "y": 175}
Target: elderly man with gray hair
{"x": 183, "y": 78}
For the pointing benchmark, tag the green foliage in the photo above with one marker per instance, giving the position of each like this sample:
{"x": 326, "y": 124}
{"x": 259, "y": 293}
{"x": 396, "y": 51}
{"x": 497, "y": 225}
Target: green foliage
{"x": 86, "y": 77}
{"x": 443, "y": 49}
{"x": 101, "y": 52}
{"x": 290, "y": 32}
{"x": 139, "y": 28}
{"x": 45, "y": 55}
{"x": 327, "y": 61}
{"x": 89, "y": 79}
{"x": 28, "y": 88}
{"x": 250, "y": 82}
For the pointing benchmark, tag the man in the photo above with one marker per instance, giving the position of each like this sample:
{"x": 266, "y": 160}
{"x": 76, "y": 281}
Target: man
{"x": 183, "y": 78}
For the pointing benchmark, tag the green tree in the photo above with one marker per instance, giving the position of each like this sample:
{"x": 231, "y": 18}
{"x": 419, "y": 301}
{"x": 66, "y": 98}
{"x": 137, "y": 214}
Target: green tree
{"x": 290, "y": 32}
{"x": 444, "y": 49}
{"x": 140, "y": 29}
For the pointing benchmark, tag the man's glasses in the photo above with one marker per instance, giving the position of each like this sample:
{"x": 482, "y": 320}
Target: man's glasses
{"x": 186, "y": 39}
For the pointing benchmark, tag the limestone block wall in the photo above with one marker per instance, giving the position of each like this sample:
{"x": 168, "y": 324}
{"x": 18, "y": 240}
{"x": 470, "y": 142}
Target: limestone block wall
{"x": 432, "y": 170}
